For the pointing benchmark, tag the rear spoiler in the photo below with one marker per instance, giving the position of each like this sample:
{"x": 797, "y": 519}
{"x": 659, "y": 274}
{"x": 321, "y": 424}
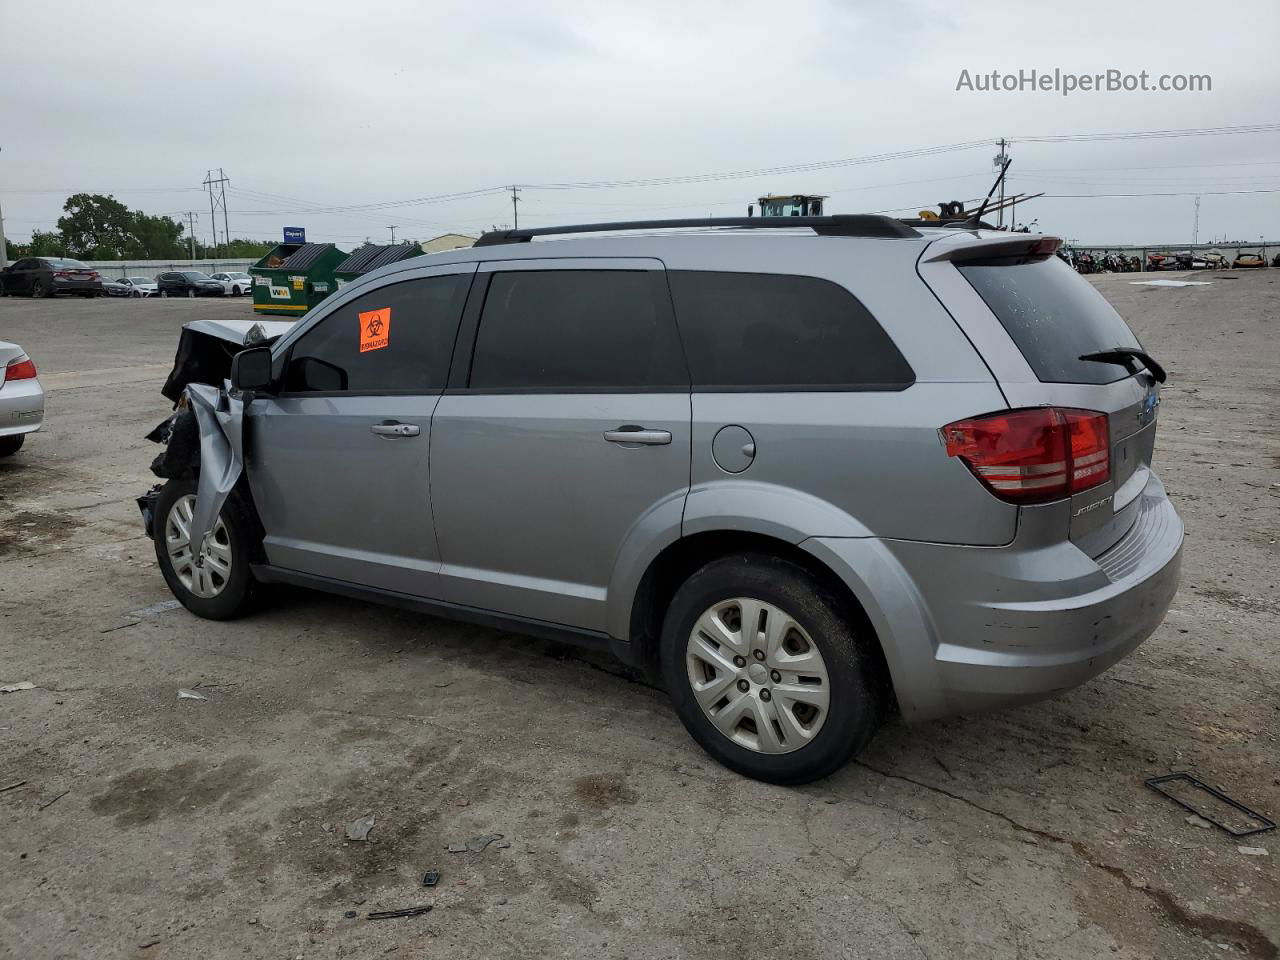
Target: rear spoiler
{"x": 962, "y": 247}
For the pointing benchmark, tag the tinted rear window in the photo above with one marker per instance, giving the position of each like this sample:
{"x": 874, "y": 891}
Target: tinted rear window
{"x": 1054, "y": 316}
{"x": 775, "y": 331}
{"x": 576, "y": 329}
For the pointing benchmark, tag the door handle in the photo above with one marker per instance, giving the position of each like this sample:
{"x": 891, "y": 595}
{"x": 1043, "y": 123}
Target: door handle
{"x": 393, "y": 428}
{"x": 638, "y": 435}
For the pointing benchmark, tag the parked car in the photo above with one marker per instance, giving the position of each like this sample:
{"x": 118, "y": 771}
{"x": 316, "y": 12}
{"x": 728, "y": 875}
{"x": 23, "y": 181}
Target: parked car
{"x": 141, "y": 286}
{"x": 47, "y": 276}
{"x": 1248, "y": 260}
{"x": 1216, "y": 260}
{"x": 801, "y": 475}
{"x": 21, "y": 398}
{"x": 116, "y": 288}
{"x": 188, "y": 283}
{"x": 235, "y": 283}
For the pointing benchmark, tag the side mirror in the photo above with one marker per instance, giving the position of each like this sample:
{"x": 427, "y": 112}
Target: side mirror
{"x": 251, "y": 369}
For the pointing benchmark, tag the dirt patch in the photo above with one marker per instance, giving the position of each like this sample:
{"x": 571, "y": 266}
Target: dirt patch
{"x": 1238, "y": 600}
{"x": 28, "y": 531}
{"x": 184, "y": 790}
{"x": 603, "y": 790}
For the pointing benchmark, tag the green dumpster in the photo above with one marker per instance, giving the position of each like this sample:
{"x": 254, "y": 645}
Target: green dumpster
{"x": 372, "y": 256}
{"x": 294, "y": 277}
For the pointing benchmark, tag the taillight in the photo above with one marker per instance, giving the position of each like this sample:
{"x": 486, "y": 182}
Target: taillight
{"x": 61, "y": 273}
{"x": 20, "y": 370}
{"x": 1035, "y": 455}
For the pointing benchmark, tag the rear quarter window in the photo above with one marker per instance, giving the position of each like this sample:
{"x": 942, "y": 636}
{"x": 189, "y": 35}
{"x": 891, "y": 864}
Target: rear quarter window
{"x": 744, "y": 331}
{"x": 1053, "y": 315}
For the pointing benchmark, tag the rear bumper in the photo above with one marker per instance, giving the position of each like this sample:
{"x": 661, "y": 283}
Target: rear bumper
{"x": 975, "y": 628}
{"x": 21, "y": 406}
{"x": 77, "y": 286}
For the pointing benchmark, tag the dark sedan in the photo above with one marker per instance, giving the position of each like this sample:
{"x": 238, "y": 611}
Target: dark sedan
{"x": 46, "y": 276}
{"x": 188, "y": 283}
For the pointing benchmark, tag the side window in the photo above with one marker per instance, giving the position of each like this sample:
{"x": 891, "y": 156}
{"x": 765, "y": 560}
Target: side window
{"x": 743, "y": 330}
{"x": 397, "y": 338}
{"x": 576, "y": 329}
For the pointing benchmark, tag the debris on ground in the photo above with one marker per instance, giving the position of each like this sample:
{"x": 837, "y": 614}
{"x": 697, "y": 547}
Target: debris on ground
{"x": 431, "y": 878}
{"x": 51, "y": 798}
{"x": 359, "y": 829}
{"x": 406, "y": 912}
{"x": 185, "y": 694}
{"x": 351, "y": 914}
{"x": 145, "y": 944}
{"x": 477, "y": 844}
{"x": 15, "y": 687}
{"x": 1210, "y": 805}
{"x": 1253, "y": 851}
{"x": 1198, "y": 821}
{"x": 13, "y": 786}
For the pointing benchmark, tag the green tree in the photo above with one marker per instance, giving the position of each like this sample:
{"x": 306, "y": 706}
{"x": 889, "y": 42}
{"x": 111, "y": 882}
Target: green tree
{"x": 154, "y": 238}
{"x": 96, "y": 227}
{"x": 45, "y": 244}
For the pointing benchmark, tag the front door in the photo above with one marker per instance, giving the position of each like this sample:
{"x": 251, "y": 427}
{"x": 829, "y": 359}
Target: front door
{"x": 570, "y": 430}
{"x": 338, "y": 460}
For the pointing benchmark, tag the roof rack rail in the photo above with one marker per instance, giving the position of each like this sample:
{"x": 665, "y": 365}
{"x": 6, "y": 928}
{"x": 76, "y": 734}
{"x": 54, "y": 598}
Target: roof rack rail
{"x": 843, "y": 225}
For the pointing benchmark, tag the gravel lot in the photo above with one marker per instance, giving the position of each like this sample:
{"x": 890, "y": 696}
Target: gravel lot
{"x": 215, "y": 829}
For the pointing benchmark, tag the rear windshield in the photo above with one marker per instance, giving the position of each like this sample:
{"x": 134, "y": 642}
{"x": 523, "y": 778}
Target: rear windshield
{"x": 1053, "y": 315}
{"x": 195, "y": 275}
{"x": 64, "y": 264}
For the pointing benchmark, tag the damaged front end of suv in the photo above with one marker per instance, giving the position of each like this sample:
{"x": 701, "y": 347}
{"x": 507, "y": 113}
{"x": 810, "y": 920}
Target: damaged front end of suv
{"x": 204, "y": 427}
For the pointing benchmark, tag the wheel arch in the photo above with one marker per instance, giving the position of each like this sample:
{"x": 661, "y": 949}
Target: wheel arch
{"x": 679, "y": 559}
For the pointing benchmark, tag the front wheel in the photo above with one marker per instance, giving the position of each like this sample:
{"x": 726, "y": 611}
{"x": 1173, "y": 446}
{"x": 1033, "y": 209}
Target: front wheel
{"x": 766, "y": 671}
{"x": 190, "y": 292}
{"x": 216, "y": 583}
{"x": 164, "y": 293}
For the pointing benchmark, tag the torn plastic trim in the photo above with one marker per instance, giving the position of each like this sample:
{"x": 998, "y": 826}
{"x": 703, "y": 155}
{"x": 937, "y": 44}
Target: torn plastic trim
{"x": 220, "y": 417}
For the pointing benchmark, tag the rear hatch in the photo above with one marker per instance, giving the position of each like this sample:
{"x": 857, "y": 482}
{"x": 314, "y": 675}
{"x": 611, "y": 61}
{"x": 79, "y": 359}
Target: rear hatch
{"x": 1055, "y": 318}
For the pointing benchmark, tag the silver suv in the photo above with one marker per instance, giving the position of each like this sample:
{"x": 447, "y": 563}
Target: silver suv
{"x": 801, "y": 471}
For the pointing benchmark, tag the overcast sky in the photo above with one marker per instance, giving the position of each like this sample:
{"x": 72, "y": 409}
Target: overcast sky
{"x": 324, "y": 104}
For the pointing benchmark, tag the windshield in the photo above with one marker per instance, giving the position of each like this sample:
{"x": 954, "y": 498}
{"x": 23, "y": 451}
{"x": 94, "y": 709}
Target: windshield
{"x": 195, "y": 275}
{"x": 1054, "y": 315}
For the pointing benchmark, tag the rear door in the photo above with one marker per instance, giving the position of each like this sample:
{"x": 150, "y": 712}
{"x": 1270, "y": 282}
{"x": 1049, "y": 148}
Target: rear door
{"x": 338, "y": 461}
{"x": 567, "y": 429}
{"x": 1050, "y": 318}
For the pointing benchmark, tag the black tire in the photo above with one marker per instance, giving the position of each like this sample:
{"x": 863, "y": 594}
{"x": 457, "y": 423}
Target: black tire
{"x": 238, "y": 592}
{"x": 858, "y": 687}
{"x": 11, "y": 444}
{"x": 38, "y": 290}
{"x": 191, "y": 292}
{"x": 164, "y": 293}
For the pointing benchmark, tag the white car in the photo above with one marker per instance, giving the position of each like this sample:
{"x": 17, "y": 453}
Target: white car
{"x": 21, "y": 398}
{"x": 235, "y": 284}
{"x": 140, "y": 286}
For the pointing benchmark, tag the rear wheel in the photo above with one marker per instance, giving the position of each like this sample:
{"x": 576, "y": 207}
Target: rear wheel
{"x": 11, "y": 444}
{"x": 38, "y": 288}
{"x": 767, "y": 673}
{"x": 216, "y": 583}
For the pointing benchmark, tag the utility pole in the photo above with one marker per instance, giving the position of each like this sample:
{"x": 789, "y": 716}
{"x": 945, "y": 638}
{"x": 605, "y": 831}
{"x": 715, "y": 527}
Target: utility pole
{"x": 392, "y": 228}
{"x": 1195, "y": 230}
{"x": 515, "y": 211}
{"x": 220, "y": 199}
{"x": 191, "y": 233}
{"x": 4, "y": 253}
{"x": 998, "y": 162}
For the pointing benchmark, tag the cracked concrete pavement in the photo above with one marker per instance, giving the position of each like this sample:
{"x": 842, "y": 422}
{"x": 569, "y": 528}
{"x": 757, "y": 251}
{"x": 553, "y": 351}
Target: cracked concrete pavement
{"x": 215, "y": 828}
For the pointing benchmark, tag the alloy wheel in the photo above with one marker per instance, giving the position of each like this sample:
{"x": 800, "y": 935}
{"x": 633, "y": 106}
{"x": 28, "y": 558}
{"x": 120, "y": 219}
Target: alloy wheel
{"x": 205, "y": 576}
{"x": 758, "y": 676}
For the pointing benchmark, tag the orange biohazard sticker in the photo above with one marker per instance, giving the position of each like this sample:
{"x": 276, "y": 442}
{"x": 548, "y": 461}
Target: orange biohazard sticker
{"x": 375, "y": 329}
